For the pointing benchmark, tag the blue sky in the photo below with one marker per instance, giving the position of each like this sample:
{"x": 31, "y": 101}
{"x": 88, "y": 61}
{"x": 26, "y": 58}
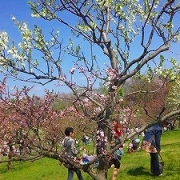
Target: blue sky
{"x": 21, "y": 10}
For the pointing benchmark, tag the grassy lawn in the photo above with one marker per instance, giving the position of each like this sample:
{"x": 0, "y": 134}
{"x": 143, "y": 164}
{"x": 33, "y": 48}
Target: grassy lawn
{"x": 133, "y": 166}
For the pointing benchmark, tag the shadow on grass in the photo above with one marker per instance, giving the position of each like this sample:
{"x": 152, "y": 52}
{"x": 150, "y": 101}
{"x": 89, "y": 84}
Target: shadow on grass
{"x": 138, "y": 171}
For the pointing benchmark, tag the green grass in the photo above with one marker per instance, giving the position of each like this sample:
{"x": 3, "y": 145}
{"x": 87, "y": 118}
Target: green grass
{"x": 133, "y": 166}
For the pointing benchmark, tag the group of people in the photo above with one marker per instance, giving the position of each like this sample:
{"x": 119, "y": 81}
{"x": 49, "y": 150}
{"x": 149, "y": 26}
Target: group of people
{"x": 151, "y": 144}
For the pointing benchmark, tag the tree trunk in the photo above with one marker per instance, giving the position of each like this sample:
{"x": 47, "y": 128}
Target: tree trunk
{"x": 101, "y": 175}
{"x": 103, "y": 146}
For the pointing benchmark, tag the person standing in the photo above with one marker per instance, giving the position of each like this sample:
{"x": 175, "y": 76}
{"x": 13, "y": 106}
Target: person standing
{"x": 117, "y": 129}
{"x": 71, "y": 152}
{"x": 117, "y": 132}
{"x": 116, "y": 162}
{"x": 151, "y": 144}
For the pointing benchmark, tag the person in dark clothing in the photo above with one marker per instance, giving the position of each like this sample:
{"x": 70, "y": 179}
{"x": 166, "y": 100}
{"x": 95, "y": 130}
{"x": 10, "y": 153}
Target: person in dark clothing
{"x": 151, "y": 144}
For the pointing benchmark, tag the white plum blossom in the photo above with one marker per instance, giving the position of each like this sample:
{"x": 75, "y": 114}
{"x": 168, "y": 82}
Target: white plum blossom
{"x": 114, "y": 87}
{"x": 72, "y": 70}
{"x": 3, "y": 40}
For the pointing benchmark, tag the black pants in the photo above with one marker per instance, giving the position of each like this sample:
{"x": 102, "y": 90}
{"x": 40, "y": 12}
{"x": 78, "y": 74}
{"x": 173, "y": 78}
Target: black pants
{"x": 155, "y": 164}
{"x": 116, "y": 163}
{"x": 71, "y": 173}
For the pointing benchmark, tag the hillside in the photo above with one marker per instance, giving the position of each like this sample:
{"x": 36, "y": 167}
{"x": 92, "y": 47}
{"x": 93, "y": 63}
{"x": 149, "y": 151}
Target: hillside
{"x": 133, "y": 166}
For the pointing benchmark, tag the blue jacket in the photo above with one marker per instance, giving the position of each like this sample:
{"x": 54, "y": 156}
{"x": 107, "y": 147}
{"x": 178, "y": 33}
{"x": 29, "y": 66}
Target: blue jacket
{"x": 153, "y": 135}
